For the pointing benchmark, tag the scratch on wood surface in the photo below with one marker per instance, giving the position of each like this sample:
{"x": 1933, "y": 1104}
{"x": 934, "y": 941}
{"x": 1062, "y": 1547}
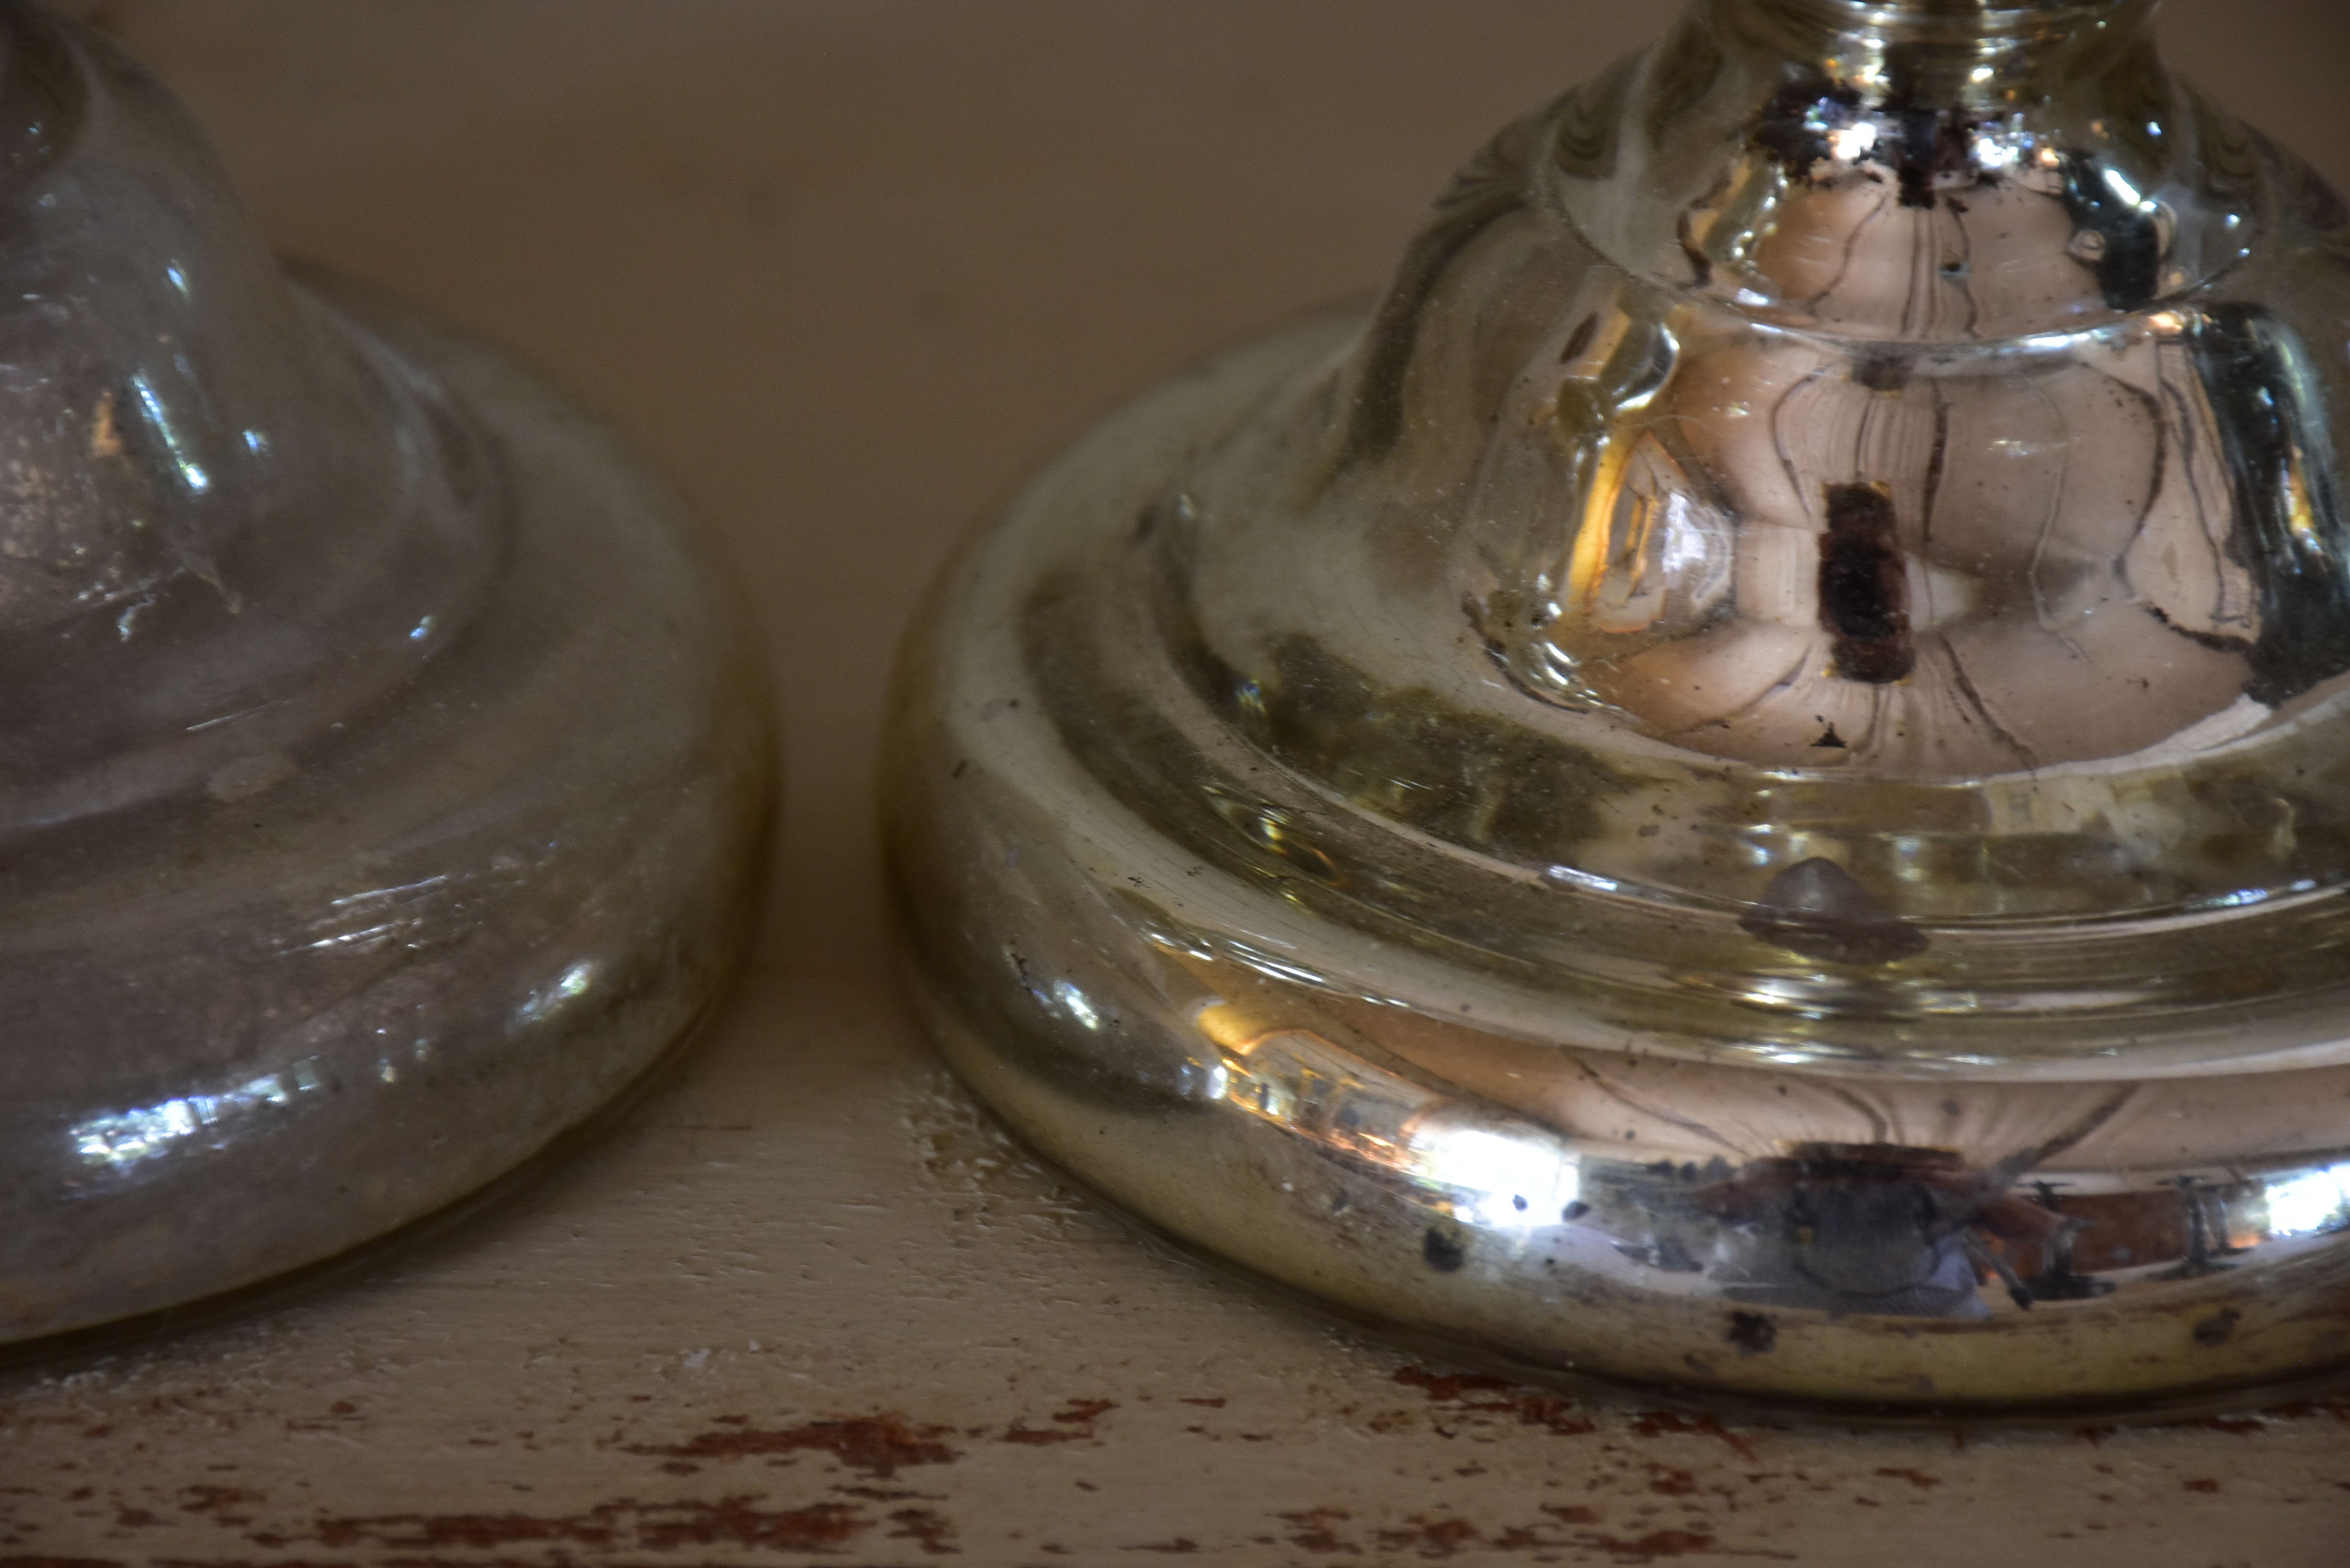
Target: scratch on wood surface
{"x": 1075, "y": 1421}
{"x": 871, "y": 1445}
{"x": 659, "y": 1527}
{"x": 1531, "y": 1406}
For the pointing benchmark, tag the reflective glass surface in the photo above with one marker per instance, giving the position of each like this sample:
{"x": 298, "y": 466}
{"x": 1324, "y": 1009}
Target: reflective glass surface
{"x": 381, "y": 776}
{"x": 1759, "y": 757}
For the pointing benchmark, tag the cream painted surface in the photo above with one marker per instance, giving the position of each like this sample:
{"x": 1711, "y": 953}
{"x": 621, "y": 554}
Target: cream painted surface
{"x": 849, "y": 268}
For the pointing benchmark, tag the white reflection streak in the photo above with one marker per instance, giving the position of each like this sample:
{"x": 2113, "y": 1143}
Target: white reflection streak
{"x": 367, "y": 937}
{"x": 1994, "y": 154}
{"x": 1500, "y": 1176}
{"x": 2311, "y": 1202}
{"x": 375, "y": 894}
{"x": 121, "y": 1140}
{"x": 192, "y": 473}
{"x": 396, "y": 912}
{"x": 1274, "y": 966}
{"x": 1513, "y": 1181}
{"x": 572, "y": 983}
{"x": 1849, "y": 143}
{"x": 1073, "y": 1003}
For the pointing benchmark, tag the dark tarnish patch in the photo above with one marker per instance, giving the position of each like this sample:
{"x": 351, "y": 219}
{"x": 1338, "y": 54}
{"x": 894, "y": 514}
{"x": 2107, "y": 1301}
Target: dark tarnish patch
{"x": 2218, "y": 1328}
{"x": 1924, "y": 135}
{"x": 1817, "y": 909}
{"x": 659, "y": 1527}
{"x": 1180, "y": 1546}
{"x": 1865, "y": 587}
{"x": 1579, "y": 339}
{"x": 2259, "y": 376}
{"x": 1917, "y": 1479}
{"x": 2124, "y": 238}
{"x": 871, "y": 1445}
{"x": 1932, "y": 134}
{"x": 1488, "y": 783}
{"x": 1753, "y": 1332}
{"x": 1880, "y": 368}
{"x": 1441, "y": 1252}
{"x": 1794, "y": 125}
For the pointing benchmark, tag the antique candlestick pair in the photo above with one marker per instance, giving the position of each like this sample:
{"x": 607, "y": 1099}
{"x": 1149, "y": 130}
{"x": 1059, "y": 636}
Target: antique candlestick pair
{"x": 1746, "y": 786}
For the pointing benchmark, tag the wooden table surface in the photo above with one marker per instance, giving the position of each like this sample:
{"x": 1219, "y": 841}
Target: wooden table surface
{"x": 848, "y": 268}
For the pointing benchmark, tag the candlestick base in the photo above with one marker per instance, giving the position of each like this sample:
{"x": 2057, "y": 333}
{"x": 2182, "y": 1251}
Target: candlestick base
{"x": 1368, "y": 1067}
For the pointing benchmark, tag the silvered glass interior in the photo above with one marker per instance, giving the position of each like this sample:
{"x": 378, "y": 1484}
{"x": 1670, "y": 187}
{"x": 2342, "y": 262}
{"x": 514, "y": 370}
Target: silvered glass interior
{"x": 1757, "y": 759}
{"x": 380, "y": 777}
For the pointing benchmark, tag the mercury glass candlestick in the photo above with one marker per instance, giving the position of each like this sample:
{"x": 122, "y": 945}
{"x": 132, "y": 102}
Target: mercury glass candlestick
{"x": 382, "y": 778}
{"x": 1747, "y": 786}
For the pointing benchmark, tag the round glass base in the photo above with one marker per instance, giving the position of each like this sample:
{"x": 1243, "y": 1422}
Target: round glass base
{"x": 1266, "y": 1015}
{"x": 351, "y": 970}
